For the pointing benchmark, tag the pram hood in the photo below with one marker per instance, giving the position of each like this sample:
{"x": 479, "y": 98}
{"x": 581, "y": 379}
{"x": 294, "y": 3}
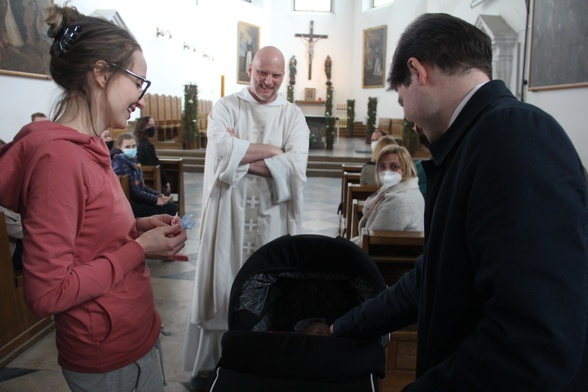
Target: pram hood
{"x": 297, "y": 277}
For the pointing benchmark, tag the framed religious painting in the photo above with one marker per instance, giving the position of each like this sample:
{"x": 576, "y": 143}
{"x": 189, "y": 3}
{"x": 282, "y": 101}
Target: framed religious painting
{"x": 309, "y": 94}
{"x": 247, "y": 46}
{"x": 559, "y": 48}
{"x": 374, "y": 57}
{"x": 24, "y": 45}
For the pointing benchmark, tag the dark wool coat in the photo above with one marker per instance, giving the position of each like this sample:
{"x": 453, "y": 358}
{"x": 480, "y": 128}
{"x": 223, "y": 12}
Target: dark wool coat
{"x": 501, "y": 288}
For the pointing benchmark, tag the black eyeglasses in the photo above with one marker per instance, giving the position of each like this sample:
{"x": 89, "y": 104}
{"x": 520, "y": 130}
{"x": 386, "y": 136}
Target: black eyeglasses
{"x": 142, "y": 87}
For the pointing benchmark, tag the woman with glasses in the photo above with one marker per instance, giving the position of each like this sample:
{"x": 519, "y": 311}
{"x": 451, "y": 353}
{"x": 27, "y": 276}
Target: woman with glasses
{"x": 398, "y": 205}
{"x": 84, "y": 252}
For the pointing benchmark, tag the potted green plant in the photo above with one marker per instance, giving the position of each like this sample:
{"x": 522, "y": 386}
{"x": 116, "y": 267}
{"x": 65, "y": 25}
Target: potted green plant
{"x": 190, "y": 116}
{"x": 329, "y": 119}
{"x": 371, "y": 118}
{"x": 350, "y": 117}
{"x": 409, "y": 137}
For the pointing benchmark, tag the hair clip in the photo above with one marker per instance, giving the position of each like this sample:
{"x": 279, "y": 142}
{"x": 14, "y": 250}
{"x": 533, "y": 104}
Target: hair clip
{"x": 65, "y": 39}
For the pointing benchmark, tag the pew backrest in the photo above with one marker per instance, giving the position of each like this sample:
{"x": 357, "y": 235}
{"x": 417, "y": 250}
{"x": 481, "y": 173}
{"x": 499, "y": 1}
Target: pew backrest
{"x": 126, "y": 187}
{"x": 152, "y": 176}
{"x": 394, "y": 252}
{"x": 358, "y": 192}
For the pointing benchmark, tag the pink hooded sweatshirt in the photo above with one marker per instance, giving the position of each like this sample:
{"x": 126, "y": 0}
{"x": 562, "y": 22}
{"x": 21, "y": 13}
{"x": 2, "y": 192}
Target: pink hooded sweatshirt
{"x": 81, "y": 263}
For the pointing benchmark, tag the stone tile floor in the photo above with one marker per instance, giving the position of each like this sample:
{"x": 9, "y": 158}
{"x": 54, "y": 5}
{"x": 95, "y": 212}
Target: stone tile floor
{"x": 37, "y": 370}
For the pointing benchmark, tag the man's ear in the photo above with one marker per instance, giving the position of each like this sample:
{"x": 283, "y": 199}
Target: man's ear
{"x": 249, "y": 70}
{"x": 101, "y": 72}
{"x": 417, "y": 70}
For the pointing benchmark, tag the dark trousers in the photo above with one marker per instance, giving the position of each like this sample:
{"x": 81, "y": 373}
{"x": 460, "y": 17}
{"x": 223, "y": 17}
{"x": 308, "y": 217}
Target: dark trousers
{"x": 17, "y": 256}
{"x": 141, "y": 209}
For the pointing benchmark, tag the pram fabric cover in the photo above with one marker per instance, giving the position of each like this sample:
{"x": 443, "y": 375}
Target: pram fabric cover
{"x": 287, "y": 280}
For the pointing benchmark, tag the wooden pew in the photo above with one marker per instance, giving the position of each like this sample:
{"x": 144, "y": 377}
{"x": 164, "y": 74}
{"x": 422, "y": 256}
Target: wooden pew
{"x": 346, "y": 181}
{"x": 152, "y": 176}
{"x": 395, "y": 130}
{"x": 356, "y": 215}
{"x": 351, "y": 167}
{"x": 115, "y": 132}
{"x": 384, "y": 124}
{"x": 358, "y": 192}
{"x": 19, "y": 328}
{"x": 350, "y": 173}
{"x": 174, "y": 168}
{"x": 166, "y": 110}
{"x": 126, "y": 187}
{"x": 395, "y": 252}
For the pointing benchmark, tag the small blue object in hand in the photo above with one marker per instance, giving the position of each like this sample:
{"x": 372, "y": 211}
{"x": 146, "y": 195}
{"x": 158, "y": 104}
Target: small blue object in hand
{"x": 188, "y": 221}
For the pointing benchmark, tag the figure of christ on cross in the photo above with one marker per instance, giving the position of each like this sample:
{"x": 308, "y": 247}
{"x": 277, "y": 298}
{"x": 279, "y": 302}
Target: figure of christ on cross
{"x": 311, "y": 38}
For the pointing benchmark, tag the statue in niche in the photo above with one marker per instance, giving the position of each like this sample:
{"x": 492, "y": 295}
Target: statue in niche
{"x": 293, "y": 63}
{"x": 328, "y": 64}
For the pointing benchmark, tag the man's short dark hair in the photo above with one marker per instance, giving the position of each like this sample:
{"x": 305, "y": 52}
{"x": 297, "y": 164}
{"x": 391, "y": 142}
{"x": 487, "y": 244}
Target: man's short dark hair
{"x": 444, "y": 41}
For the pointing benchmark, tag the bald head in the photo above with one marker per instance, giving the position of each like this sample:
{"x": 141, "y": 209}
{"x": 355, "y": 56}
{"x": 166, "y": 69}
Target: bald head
{"x": 266, "y": 73}
{"x": 270, "y": 54}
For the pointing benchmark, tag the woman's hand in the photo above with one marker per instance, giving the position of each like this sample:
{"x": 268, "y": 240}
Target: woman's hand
{"x": 145, "y": 224}
{"x": 159, "y": 238}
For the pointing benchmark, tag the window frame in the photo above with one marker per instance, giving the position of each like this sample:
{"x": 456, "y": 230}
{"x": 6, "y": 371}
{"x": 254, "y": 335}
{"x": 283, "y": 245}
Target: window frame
{"x": 309, "y": 9}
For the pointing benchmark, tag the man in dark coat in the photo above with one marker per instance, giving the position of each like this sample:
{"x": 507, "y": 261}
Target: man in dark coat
{"x": 500, "y": 292}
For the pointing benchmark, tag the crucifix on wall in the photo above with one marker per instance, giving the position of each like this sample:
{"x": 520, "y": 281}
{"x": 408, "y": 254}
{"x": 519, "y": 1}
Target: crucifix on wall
{"x": 311, "y": 38}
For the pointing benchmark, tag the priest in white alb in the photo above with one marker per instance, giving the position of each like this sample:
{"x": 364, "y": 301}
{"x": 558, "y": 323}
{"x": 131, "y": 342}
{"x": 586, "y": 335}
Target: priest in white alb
{"x": 254, "y": 175}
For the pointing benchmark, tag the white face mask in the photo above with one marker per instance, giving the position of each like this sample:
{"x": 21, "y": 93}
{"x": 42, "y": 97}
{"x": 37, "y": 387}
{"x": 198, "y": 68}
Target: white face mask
{"x": 373, "y": 144}
{"x": 389, "y": 178}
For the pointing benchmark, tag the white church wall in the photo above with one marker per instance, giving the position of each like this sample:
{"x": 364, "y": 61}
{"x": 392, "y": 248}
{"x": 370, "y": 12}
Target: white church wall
{"x": 210, "y": 26}
{"x": 396, "y": 17}
{"x": 339, "y": 31}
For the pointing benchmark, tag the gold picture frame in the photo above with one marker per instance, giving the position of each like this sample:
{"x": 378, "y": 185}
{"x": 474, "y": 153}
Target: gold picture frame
{"x": 374, "y": 57}
{"x": 310, "y": 94}
{"x": 25, "y": 50}
{"x": 247, "y": 46}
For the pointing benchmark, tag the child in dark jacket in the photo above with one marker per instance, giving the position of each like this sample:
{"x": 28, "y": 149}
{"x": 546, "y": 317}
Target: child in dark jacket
{"x": 144, "y": 200}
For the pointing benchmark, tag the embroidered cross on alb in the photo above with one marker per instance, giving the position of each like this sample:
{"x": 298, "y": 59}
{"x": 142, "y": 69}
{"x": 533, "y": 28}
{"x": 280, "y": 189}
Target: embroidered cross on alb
{"x": 253, "y": 201}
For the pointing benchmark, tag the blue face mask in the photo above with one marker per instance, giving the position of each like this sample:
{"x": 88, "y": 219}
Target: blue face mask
{"x": 130, "y": 152}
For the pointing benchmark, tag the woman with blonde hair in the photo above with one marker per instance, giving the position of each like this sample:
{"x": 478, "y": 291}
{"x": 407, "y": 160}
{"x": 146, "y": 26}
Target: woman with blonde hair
{"x": 398, "y": 205}
{"x": 368, "y": 171}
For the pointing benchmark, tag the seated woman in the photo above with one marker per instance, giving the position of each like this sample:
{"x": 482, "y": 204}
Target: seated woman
{"x": 146, "y": 155}
{"x": 144, "y": 200}
{"x": 368, "y": 171}
{"x": 398, "y": 205}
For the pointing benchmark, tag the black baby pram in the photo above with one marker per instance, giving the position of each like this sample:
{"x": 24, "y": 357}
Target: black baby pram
{"x": 290, "y": 279}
